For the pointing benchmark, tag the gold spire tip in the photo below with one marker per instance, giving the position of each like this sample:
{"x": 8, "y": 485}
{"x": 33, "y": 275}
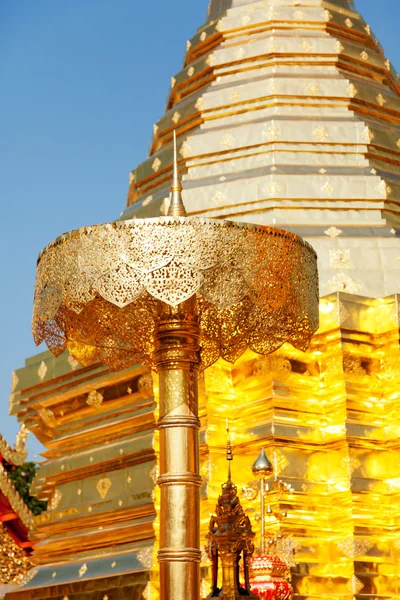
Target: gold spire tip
{"x": 176, "y": 207}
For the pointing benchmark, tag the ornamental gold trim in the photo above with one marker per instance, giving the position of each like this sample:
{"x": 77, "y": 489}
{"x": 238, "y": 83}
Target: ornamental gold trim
{"x": 85, "y": 278}
{"x": 19, "y": 453}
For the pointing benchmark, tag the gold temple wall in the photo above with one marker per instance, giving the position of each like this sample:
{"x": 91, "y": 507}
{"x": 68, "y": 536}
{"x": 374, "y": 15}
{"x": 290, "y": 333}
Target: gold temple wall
{"x": 98, "y": 428}
{"x": 328, "y": 419}
{"x": 124, "y": 587}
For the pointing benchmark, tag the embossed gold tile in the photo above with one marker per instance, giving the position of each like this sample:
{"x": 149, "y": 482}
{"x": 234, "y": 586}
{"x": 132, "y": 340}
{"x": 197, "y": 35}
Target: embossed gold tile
{"x": 103, "y": 486}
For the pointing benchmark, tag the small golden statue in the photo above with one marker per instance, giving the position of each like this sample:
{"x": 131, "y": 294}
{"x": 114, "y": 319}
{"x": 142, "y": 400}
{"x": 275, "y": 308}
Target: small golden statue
{"x": 230, "y": 541}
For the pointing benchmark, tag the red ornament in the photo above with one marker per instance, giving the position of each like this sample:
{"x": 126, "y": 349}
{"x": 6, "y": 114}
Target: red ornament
{"x": 269, "y": 577}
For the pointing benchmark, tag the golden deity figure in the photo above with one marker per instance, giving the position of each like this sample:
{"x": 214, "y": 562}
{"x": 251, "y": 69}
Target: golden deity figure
{"x": 230, "y": 542}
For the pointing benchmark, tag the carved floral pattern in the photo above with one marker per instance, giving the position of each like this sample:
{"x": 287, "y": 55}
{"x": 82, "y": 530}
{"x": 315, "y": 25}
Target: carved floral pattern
{"x": 100, "y": 290}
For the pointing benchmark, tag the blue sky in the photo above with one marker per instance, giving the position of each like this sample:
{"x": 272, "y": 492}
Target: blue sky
{"x": 82, "y": 83}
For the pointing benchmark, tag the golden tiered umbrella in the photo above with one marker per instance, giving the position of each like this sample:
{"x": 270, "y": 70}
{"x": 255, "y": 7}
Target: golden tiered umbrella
{"x": 176, "y": 293}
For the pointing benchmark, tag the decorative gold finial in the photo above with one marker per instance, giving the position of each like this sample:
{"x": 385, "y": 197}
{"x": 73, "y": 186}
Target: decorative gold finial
{"x": 176, "y": 207}
{"x": 262, "y": 467}
{"x": 22, "y": 437}
{"x": 229, "y": 453}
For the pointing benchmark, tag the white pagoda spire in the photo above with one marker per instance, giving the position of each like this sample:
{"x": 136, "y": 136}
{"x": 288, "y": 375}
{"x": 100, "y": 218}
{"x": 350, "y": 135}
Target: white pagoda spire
{"x": 218, "y": 7}
{"x": 287, "y": 114}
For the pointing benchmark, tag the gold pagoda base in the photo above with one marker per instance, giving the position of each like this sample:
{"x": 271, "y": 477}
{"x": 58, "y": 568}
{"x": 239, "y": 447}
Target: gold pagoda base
{"x": 329, "y": 422}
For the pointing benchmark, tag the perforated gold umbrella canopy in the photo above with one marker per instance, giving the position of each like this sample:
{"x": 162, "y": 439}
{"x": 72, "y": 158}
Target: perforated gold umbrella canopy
{"x": 100, "y": 290}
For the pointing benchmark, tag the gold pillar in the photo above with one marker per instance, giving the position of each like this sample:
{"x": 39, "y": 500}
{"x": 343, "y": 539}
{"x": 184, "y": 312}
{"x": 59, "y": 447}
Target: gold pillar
{"x": 177, "y": 360}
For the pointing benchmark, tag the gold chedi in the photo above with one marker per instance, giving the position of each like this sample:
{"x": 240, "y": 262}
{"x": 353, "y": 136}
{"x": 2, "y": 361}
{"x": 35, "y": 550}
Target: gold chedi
{"x": 285, "y": 115}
